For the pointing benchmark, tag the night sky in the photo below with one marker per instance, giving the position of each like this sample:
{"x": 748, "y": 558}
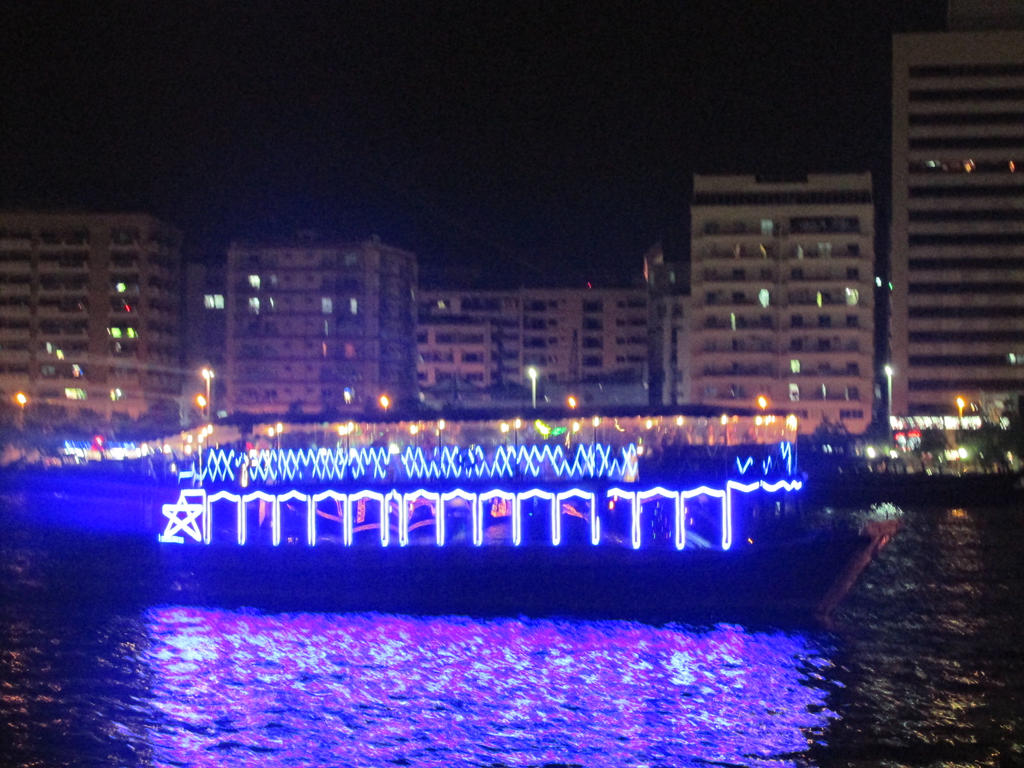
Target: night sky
{"x": 502, "y": 142}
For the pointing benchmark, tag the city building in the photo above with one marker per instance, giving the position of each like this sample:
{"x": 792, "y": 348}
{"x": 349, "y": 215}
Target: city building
{"x": 668, "y": 298}
{"x": 316, "y": 326}
{"x": 957, "y": 256}
{"x": 204, "y": 337}
{"x": 782, "y": 276}
{"x": 89, "y": 313}
{"x": 478, "y": 348}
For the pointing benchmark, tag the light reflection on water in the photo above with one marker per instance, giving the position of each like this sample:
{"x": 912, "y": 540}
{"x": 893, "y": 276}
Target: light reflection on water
{"x": 328, "y": 689}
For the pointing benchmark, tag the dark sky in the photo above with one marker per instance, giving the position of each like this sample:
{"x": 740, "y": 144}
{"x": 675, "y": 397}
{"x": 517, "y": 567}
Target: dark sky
{"x": 499, "y": 141}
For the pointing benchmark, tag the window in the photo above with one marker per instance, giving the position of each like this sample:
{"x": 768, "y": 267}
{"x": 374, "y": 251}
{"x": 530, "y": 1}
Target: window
{"x": 353, "y": 306}
{"x": 763, "y": 297}
{"x": 852, "y": 296}
{"x": 254, "y": 305}
{"x": 74, "y": 393}
{"x": 326, "y": 305}
{"x": 794, "y": 366}
{"x": 115, "y": 332}
{"x": 254, "y": 281}
{"x": 210, "y": 300}
{"x": 767, "y": 226}
{"x": 794, "y": 392}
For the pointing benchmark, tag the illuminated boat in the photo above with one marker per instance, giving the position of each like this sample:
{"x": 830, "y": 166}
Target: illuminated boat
{"x": 657, "y": 516}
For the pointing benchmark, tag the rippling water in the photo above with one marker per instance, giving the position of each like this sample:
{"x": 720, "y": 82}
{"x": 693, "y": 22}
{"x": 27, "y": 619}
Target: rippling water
{"x": 925, "y": 667}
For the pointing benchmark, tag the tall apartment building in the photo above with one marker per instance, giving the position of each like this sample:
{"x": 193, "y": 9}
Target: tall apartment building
{"x": 668, "y": 300}
{"x": 782, "y": 277}
{"x": 204, "y": 326}
{"x": 476, "y": 347}
{"x": 958, "y": 212}
{"x": 315, "y": 326}
{"x": 89, "y": 312}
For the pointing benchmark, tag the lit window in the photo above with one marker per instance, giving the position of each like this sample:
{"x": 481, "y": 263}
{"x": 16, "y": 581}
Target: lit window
{"x": 326, "y": 305}
{"x": 76, "y": 371}
{"x": 213, "y": 301}
{"x": 254, "y": 281}
{"x": 350, "y": 351}
{"x": 732, "y": 320}
{"x": 120, "y": 287}
{"x": 116, "y": 394}
{"x": 74, "y": 393}
{"x": 794, "y": 392}
{"x": 818, "y": 299}
{"x": 763, "y": 297}
{"x": 130, "y": 333}
{"x": 852, "y": 296}
{"x": 794, "y": 366}
{"x": 254, "y": 305}
{"x": 114, "y": 332}
{"x": 767, "y": 226}
{"x": 353, "y": 306}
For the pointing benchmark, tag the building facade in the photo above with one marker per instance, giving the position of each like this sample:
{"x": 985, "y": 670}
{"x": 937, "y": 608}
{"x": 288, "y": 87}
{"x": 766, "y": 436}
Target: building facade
{"x": 89, "y": 313}
{"x": 478, "y": 347}
{"x": 319, "y": 326}
{"x": 957, "y": 259}
{"x": 782, "y": 275}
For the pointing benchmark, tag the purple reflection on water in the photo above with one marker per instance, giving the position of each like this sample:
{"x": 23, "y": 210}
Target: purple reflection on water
{"x": 233, "y": 688}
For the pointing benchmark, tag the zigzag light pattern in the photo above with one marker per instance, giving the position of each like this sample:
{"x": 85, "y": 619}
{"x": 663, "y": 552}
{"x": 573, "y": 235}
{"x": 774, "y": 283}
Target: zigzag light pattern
{"x": 416, "y": 464}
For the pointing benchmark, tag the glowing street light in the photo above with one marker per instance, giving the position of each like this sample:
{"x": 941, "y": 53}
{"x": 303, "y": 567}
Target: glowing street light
{"x": 960, "y": 403}
{"x": 384, "y": 401}
{"x": 208, "y": 376}
{"x": 531, "y": 372}
{"x": 22, "y": 400}
{"x": 572, "y": 402}
{"x": 762, "y": 402}
{"x": 201, "y": 401}
{"x": 889, "y": 371}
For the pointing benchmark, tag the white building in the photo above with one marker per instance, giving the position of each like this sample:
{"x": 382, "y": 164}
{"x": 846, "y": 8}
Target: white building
{"x": 476, "y": 347}
{"x": 317, "y": 326}
{"x": 782, "y": 276}
{"x": 89, "y": 308}
{"x": 958, "y": 212}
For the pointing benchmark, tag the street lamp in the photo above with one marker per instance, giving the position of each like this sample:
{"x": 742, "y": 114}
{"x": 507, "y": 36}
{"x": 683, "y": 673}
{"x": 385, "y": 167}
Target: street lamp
{"x": 22, "y": 400}
{"x": 201, "y": 401}
{"x": 960, "y": 403}
{"x": 385, "y": 402}
{"x": 762, "y": 402}
{"x": 572, "y": 402}
{"x": 889, "y": 371}
{"x": 207, "y": 374}
{"x": 532, "y": 373}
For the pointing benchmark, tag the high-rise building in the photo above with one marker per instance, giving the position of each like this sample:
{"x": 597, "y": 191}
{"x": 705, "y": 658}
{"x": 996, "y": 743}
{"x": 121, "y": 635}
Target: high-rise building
{"x": 315, "y": 326}
{"x": 957, "y": 257}
{"x": 668, "y": 300}
{"x": 204, "y": 332}
{"x": 89, "y": 312}
{"x": 782, "y": 274}
{"x": 477, "y": 347}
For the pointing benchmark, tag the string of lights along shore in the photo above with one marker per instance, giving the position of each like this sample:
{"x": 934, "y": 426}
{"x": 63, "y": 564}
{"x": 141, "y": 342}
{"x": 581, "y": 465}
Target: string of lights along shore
{"x": 779, "y": 298}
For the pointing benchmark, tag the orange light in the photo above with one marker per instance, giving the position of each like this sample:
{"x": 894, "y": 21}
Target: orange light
{"x": 571, "y": 401}
{"x": 21, "y": 399}
{"x": 762, "y": 402}
{"x": 385, "y": 402}
{"x": 201, "y": 400}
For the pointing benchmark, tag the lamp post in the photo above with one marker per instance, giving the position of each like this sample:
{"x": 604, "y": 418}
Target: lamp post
{"x": 960, "y": 403}
{"x": 532, "y": 373}
{"x": 22, "y": 400}
{"x": 888, "y": 399}
{"x": 207, "y": 374}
